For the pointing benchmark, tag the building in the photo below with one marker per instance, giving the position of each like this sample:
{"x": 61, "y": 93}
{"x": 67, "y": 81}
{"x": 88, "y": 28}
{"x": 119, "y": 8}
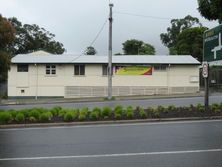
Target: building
{"x": 69, "y": 76}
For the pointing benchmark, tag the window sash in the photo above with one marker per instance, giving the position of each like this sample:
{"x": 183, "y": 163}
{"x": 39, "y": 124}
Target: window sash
{"x": 50, "y": 69}
{"x": 22, "y": 68}
{"x": 79, "y": 70}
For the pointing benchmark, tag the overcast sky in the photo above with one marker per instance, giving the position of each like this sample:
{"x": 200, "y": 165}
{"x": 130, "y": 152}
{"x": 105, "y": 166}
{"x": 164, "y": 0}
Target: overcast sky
{"x": 76, "y": 22}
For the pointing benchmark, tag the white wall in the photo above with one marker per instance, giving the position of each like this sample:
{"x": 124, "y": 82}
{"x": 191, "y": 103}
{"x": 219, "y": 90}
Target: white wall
{"x": 36, "y": 82}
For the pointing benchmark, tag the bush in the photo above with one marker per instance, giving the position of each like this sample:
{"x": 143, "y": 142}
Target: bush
{"x": 34, "y": 113}
{"x": 142, "y": 113}
{"x": 68, "y": 117}
{"x": 160, "y": 109}
{"x": 215, "y": 108}
{"x": 20, "y": 118}
{"x": 94, "y": 115}
{"x": 106, "y": 112}
{"x": 55, "y": 111}
{"x": 171, "y": 108}
{"x": 5, "y": 117}
{"x": 200, "y": 107}
{"x": 32, "y": 119}
{"x": 45, "y": 117}
{"x": 83, "y": 114}
{"x": 129, "y": 112}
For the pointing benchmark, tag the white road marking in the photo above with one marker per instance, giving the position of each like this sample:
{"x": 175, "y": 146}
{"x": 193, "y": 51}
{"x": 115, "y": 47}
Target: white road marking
{"x": 111, "y": 125}
{"x": 111, "y": 155}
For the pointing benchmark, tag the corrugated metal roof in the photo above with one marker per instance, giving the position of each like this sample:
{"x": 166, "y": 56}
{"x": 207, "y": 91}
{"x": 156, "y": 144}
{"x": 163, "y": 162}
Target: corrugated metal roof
{"x": 123, "y": 59}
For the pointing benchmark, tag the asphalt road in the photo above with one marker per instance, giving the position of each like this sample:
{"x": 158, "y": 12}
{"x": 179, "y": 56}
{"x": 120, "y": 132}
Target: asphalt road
{"x": 169, "y": 144}
{"x": 186, "y": 101}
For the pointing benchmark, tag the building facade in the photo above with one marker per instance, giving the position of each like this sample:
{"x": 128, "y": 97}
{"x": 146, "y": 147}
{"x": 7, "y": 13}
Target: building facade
{"x": 69, "y": 76}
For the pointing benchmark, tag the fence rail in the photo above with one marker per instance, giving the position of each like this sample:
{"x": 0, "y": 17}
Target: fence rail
{"x": 100, "y": 91}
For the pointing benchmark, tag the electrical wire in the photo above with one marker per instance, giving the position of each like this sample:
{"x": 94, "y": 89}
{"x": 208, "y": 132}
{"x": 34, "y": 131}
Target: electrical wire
{"x": 151, "y": 17}
{"x": 94, "y": 40}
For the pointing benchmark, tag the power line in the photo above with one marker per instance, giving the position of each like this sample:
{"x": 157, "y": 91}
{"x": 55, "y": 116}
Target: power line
{"x": 150, "y": 17}
{"x": 94, "y": 40}
{"x": 144, "y": 16}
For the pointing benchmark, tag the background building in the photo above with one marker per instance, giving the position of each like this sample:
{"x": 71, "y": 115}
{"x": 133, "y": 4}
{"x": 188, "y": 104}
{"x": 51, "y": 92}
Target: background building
{"x": 69, "y": 76}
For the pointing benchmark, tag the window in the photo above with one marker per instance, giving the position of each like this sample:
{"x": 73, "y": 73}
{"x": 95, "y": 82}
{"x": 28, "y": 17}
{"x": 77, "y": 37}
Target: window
{"x": 50, "y": 69}
{"x": 22, "y": 68}
{"x": 79, "y": 70}
{"x": 160, "y": 67}
{"x": 105, "y": 70}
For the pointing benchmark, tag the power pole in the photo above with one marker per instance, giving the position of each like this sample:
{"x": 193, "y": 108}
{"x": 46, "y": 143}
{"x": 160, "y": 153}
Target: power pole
{"x": 110, "y": 53}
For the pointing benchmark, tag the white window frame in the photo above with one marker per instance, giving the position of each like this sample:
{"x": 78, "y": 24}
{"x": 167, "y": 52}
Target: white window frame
{"x": 50, "y": 69}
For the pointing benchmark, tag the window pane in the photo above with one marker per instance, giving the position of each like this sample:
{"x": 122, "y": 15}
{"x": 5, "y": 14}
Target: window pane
{"x": 76, "y": 69}
{"x": 47, "y": 71}
{"x": 105, "y": 71}
{"x": 53, "y": 71}
{"x": 22, "y": 68}
{"x": 53, "y": 66}
{"x": 82, "y": 69}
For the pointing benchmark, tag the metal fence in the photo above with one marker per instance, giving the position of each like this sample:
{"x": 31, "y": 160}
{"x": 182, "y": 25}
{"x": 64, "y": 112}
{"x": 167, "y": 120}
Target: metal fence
{"x": 215, "y": 78}
{"x": 100, "y": 91}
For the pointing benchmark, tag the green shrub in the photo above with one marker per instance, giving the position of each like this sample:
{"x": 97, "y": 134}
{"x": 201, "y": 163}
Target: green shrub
{"x": 62, "y": 112}
{"x": 45, "y": 117}
{"x": 160, "y": 109}
{"x": 55, "y": 111}
{"x": 5, "y": 117}
{"x": 34, "y": 113}
{"x": 118, "y": 109}
{"x": 94, "y": 115}
{"x": 200, "y": 107}
{"x": 156, "y": 113}
{"x": 171, "y": 108}
{"x": 20, "y": 118}
{"x": 215, "y": 108}
{"x": 82, "y": 117}
{"x": 106, "y": 112}
{"x": 129, "y": 112}
{"x": 117, "y": 116}
{"x": 68, "y": 117}
{"x": 32, "y": 119}
{"x": 142, "y": 113}
{"x": 83, "y": 114}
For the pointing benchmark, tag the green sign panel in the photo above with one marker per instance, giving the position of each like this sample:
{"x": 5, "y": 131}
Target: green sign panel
{"x": 212, "y": 44}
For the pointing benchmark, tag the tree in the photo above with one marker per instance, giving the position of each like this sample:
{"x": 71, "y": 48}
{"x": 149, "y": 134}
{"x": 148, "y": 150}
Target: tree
{"x": 190, "y": 42}
{"x": 90, "y": 51}
{"x": 211, "y": 9}
{"x": 169, "y": 38}
{"x": 137, "y": 47}
{"x": 30, "y": 38}
{"x": 7, "y": 35}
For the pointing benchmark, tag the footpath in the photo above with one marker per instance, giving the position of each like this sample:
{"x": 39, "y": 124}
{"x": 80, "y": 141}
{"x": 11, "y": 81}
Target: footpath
{"x": 20, "y": 101}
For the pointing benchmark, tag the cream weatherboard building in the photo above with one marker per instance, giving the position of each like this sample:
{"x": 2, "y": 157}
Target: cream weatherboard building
{"x": 45, "y": 75}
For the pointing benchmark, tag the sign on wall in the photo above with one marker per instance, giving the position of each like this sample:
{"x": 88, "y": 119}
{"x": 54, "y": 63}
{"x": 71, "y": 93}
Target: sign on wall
{"x": 213, "y": 44}
{"x": 133, "y": 70}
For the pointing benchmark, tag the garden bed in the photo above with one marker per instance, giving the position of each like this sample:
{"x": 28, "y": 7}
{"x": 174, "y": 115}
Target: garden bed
{"x": 59, "y": 115}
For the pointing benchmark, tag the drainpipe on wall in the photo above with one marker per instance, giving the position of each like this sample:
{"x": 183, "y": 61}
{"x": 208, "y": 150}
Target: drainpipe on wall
{"x": 168, "y": 80}
{"x": 36, "y": 91}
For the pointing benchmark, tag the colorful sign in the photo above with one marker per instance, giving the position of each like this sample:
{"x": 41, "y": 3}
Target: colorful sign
{"x": 133, "y": 70}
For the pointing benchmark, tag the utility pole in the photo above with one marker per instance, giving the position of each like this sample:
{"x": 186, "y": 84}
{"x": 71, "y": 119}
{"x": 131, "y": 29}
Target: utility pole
{"x": 110, "y": 53}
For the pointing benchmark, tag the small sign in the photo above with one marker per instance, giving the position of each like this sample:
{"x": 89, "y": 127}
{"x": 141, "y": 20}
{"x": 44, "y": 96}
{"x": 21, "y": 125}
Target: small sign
{"x": 205, "y": 70}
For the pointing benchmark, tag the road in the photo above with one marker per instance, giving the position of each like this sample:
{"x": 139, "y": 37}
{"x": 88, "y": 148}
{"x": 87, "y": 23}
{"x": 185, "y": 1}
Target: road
{"x": 186, "y": 101}
{"x": 168, "y": 144}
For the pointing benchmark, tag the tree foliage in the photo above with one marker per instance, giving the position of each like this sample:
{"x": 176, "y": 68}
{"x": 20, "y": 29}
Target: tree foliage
{"x": 7, "y": 35}
{"x": 190, "y": 42}
{"x": 90, "y": 51}
{"x": 170, "y": 38}
{"x": 30, "y": 38}
{"x": 137, "y": 47}
{"x": 211, "y": 9}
